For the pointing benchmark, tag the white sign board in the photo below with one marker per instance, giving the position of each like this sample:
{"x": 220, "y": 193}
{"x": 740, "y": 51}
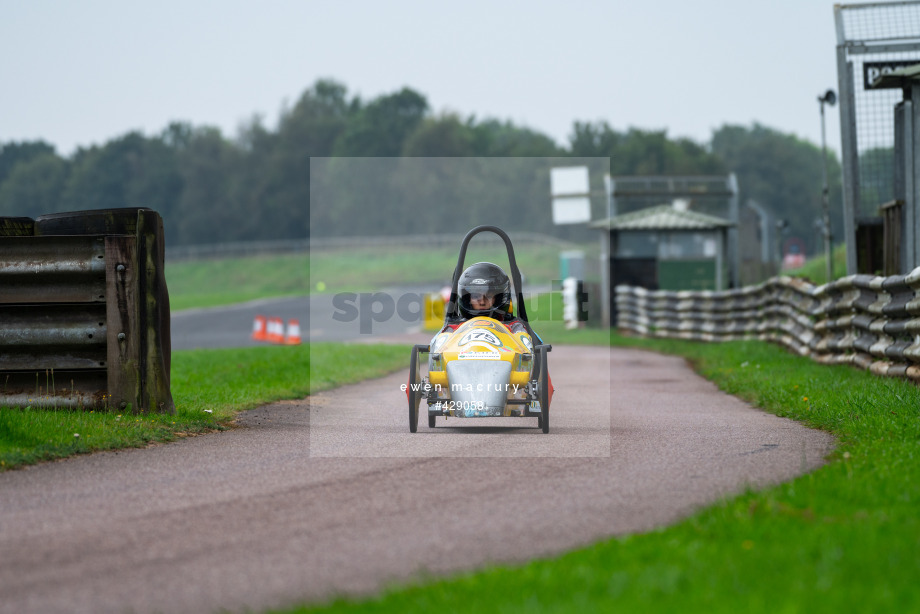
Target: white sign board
{"x": 573, "y": 210}
{"x": 569, "y": 181}
{"x": 570, "y": 191}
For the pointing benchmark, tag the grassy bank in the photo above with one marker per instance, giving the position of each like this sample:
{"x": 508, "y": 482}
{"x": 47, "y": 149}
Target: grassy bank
{"x": 815, "y": 269}
{"x": 209, "y": 283}
{"x": 208, "y": 387}
{"x": 369, "y": 269}
{"x": 842, "y": 539}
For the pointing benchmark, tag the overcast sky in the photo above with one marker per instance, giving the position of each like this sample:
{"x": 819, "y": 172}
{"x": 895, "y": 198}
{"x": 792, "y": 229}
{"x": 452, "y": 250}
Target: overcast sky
{"x": 80, "y": 72}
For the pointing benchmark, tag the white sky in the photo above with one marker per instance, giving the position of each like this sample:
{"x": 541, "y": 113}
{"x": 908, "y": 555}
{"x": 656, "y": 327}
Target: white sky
{"x": 80, "y": 72}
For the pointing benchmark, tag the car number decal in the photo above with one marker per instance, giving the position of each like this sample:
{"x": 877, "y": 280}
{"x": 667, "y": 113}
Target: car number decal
{"x": 481, "y": 336}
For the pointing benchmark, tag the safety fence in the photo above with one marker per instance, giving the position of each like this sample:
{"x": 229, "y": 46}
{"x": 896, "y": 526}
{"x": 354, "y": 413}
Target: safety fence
{"x": 84, "y": 311}
{"x": 870, "y": 322}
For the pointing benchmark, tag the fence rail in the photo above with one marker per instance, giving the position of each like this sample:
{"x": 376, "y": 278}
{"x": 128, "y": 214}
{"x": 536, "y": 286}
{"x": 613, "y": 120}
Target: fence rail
{"x": 867, "y": 321}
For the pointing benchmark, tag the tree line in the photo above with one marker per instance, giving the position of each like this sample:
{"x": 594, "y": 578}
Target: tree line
{"x": 255, "y": 185}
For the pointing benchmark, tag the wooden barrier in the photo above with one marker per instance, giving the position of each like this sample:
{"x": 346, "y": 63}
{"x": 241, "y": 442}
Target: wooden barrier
{"x": 84, "y": 311}
{"x": 870, "y": 322}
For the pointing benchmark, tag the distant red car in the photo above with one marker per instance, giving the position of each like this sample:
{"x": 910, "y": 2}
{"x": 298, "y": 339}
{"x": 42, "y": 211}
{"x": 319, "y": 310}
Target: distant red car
{"x": 793, "y": 261}
{"x": 794, "y": 253}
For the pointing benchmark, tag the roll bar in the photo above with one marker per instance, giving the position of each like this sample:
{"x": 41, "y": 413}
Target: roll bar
{"x": 452, "y": 312}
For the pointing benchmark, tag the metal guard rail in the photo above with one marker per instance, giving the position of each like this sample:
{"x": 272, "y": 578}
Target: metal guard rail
{"x": 84, "y": 311}
{"x": 863, "y": 320}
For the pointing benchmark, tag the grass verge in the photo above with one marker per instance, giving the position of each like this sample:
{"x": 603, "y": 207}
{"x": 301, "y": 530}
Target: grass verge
{"x": 209, "y": 387}
{"x": 844, "y": 538}
{"x": 815, "y": 269}
{"x": 211, "y": 283}
{"x": 370, "y": 269}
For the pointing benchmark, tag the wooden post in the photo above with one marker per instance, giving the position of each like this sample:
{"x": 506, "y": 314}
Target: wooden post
{"x": 154, "y": 314}
{"x": 123, "y": 331}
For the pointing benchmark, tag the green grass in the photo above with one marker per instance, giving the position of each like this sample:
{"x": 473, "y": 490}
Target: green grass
{"x": 371, "y": 268}
{"x": 545, "y": 314}
{"x": 845, "y": 538}
{"x": 208, "y": 386}
{"x": 815, "y": 269}
{"x": 210, "y": 283}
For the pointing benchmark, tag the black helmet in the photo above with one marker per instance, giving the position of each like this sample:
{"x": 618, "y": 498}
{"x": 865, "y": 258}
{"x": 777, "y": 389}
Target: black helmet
{"x": 484, "y": 279}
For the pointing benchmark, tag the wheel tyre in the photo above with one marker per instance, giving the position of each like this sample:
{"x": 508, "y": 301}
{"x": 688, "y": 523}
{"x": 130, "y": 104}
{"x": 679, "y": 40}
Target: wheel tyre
{"x": 415, "y": 396}
{"x": 431, "y": 420}
{"x": 543, "y": 392}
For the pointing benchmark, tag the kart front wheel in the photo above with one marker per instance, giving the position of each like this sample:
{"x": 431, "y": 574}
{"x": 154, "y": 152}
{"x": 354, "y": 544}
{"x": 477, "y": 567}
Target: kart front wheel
{"x": 413, "y": 392}
{"x": 543, "y": 391}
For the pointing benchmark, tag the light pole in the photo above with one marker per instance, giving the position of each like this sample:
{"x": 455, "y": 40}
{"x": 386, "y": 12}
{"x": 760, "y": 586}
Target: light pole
{"x": 830, "y": 98}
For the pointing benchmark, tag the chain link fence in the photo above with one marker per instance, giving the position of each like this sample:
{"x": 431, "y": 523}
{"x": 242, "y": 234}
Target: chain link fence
{"x": 872, "y": 39}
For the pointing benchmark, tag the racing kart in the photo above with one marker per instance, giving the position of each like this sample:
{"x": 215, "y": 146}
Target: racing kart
{"x": 481, "y": 369}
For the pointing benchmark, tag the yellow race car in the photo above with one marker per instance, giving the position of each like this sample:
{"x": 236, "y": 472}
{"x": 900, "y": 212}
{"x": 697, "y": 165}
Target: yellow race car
{"x": 486, "y": 361}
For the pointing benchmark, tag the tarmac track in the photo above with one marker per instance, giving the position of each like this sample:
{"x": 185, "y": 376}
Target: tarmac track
{"x": 297, "y": 506}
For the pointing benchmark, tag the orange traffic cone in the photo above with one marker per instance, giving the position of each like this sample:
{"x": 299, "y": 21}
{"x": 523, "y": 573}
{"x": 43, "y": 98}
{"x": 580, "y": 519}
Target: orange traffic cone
{"x": 275, "y": 330}
{"x": 259, "y": 330}
{"x": 293, "y": 333}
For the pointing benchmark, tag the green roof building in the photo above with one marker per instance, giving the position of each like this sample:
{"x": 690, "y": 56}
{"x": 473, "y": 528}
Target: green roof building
{"x": 665, "y": 248}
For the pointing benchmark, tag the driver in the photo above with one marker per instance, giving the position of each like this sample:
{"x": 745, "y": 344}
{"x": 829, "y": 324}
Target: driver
{"x": 485, "y": 290}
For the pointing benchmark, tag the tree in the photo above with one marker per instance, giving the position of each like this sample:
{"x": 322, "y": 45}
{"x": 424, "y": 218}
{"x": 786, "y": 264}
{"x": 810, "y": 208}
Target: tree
{"x": 310, "y": 129}
{"x": 12, "y": 154}
{"x": 782, "y": 172}
{"x": 444, "y": 136}
{"x": 34, "y": 187}
{"x": 130, "y": 171}
{"x": 495, "y": 138}
{"x": 642, "y": 152}
{"x": 316, "y": 122}
{"x": 380, "y": 128}
{"x": 213, "y": 178}
{"x": 594, "y": 140}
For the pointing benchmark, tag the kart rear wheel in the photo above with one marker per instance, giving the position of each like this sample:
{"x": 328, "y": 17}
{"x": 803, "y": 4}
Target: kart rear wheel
{"x": 415, "y": 395}
{"x": 431, "y": 421}
{"x": 543, "y": 392}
